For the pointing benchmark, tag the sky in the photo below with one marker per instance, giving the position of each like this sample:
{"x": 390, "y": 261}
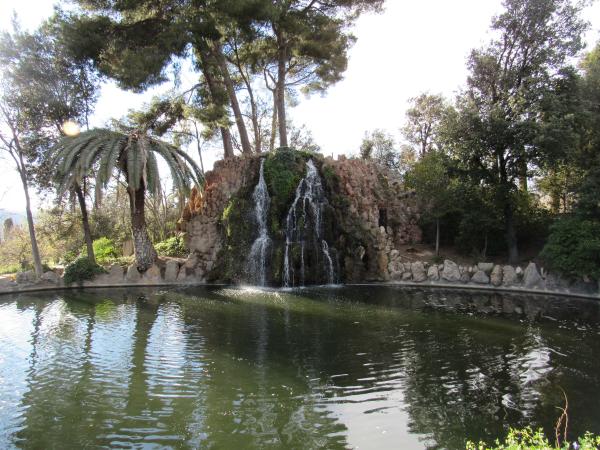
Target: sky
{"x": 412, "y": 47}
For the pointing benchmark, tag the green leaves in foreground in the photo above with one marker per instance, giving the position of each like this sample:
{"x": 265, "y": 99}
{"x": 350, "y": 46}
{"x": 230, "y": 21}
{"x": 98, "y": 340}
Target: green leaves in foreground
{"x": 527, "y": 439}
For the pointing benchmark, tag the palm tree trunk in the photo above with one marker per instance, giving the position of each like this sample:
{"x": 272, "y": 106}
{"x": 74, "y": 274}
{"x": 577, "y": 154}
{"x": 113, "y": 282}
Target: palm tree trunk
{"x": 87, "y": 234}
{"x": 145, "y": 254}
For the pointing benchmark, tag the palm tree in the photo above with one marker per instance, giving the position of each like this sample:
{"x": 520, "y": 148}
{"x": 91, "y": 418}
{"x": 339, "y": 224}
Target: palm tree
{"x": 134, "y": 156}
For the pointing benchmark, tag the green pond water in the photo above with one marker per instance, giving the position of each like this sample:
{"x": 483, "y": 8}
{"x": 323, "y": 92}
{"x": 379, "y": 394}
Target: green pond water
{"x": 232, "y": 368}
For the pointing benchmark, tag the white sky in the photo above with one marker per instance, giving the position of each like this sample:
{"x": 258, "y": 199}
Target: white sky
{"x": 413, "y": 47}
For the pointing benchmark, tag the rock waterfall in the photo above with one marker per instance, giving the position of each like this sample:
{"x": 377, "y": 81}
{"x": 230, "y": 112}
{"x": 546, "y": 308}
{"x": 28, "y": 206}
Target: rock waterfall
{"x": 303, "y": 228}
{"x": 257, "y": 258}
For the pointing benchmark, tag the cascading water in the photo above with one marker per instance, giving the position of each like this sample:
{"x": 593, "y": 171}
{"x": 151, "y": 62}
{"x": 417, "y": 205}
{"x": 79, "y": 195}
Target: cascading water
{"x": 257, "y": 259}
{"x": 306, "y": 210}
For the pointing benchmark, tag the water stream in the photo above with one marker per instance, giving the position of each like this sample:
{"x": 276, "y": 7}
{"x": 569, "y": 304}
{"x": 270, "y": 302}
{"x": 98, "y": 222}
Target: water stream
{"x": 303, "y": 226}
{"x": 257, "y": 258}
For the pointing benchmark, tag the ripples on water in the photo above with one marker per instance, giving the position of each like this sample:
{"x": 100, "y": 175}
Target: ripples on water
{"x": 313, "y": 368}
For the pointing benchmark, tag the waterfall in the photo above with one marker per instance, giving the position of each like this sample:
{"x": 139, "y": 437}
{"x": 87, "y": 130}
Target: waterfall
{"x": 306, "y": 209}
{"x": 257, "y": 259}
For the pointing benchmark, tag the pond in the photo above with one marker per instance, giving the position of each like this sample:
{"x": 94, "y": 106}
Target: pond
{"x": 353, "y": 367}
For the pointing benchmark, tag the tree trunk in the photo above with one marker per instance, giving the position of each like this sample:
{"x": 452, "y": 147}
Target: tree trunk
{"x": 213, "y": 89}
{"x": 437, "y": 237}
{"x": 235, "y": 105}
{"x": 281, "y": 72}
{"x": 227, "y": 143}
{"x": 145, "y": 255}
{"x": 485, "y": 246}
{"x": 87, "y": 234}
{"x": 273, "y": 122}
{"x": 511, "y": 234}
{"x": 37, "y": 260}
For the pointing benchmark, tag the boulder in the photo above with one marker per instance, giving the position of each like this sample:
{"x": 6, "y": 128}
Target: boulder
{"x": 406, "y": 276}
{"x": 133, "y": 275}
{"x": 51, "y": 277}
{"x": 182, "y": 275}
{"x": 433, "y": 273}
{"x": 531, "y": 277}
{"x": 485, "y": 267}
{"x": 382, "y": 265}
{"x": 152, "y": 275}
{"x": 26, "y": 277}
{"x": 171, "y": 271}
{"x": 509, "y": 276}
{"x": 480, "y": 277}
{"x": 191, "y": 261}
{"x": 496, "y": 275}
{"x": 465, "y": 277}
{"x": 450, "y": 271}
{"x": 115, "y": 274}
{"x": 396, "y": 269}
{"x": 418, "y": 272}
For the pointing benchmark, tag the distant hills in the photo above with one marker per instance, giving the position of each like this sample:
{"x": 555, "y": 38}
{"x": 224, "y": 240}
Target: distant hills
{"x": 18, "y": 219}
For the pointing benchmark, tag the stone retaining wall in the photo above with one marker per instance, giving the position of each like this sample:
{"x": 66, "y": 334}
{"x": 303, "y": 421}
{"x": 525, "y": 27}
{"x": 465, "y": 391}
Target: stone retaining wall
{"x": 483, "y": 276}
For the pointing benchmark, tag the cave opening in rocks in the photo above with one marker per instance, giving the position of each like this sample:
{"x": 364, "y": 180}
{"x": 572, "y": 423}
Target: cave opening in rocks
{"x": 383, "y": 218}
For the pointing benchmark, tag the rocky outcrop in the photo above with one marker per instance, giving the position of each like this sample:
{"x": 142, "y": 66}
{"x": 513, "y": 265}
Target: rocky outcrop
{"x": 366, "y": 217}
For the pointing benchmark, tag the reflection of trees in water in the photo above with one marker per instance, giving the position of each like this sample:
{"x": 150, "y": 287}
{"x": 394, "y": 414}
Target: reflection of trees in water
{"x": 226, "y": 369}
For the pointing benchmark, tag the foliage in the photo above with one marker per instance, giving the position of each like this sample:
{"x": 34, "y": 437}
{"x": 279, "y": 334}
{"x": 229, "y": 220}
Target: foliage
{"x": 495, "y": 133}
{"x": 80, "y": 270}
{"x": 379, "y": 146}
{"x": 283, "y": 171}
{"x": 424, "y": 121}
{"x": 173, "y": 246}
{"x": 573, "y": 247}
{"x": 527, "y": 439}
{"x": 6, "y": 269}
{"x": 104, "y": 250}
{"x": 134, "y": 154}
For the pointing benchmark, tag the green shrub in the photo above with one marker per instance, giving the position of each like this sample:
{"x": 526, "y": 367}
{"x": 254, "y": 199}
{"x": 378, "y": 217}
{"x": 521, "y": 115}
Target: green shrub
{"x": 174, "y": 247}
{"x": 573, "y": 248}
{"x": 10, "y": 268}
{"x": 527, "y": 439}
{"x": 80, "y": 270}
{"x": 105, "y": 250}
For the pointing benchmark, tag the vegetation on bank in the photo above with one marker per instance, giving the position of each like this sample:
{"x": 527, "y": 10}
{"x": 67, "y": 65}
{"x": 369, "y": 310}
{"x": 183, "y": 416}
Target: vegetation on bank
{"x": 527, "y": 439}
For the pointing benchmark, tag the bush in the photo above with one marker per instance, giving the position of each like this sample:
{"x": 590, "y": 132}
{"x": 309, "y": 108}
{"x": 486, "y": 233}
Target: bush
{"x": 526, "y": 439}
{"x": 174, "y": 247}
{"x": 10, "y": 268}
{"x": 573, "y": 248}
{"x": 80, "y": 270}
{"x": 104, "y": 250}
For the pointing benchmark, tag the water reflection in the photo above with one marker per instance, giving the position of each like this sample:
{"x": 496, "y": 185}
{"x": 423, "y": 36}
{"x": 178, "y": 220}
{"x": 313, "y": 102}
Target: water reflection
{"x": 311, "y": 368}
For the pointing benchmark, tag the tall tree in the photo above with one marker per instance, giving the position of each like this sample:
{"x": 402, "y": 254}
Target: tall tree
{"x": 499, "y": 114}
{"x": 43, "y": 90}
{"x": 136, "y": 42}
{"x": 51, "y": 90}
{"x": 134, "y": 155}
{"x": 423, "y": 122}
{"x": 379, "y": 146}
{"x": 308, "y": 42}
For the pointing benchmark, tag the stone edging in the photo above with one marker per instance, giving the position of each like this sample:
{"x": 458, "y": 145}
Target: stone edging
{"x": 453, "y": 286}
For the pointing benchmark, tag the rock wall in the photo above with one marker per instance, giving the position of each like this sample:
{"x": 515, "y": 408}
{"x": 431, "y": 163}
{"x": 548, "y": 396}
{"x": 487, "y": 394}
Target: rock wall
{"x": 376, "y": 213}
{"x": 201, "y": 220}
{"x": 368, "y": 217}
